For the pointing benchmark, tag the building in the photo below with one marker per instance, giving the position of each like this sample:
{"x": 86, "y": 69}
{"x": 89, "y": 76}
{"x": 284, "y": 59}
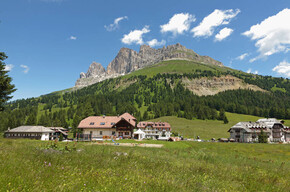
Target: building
{"x": 31, "y": 132}
{"x": 99, "y": 127}
{"x": 59, "y": 131}
{"x": 155, "y": 130}
{"x": 249, "y": 131}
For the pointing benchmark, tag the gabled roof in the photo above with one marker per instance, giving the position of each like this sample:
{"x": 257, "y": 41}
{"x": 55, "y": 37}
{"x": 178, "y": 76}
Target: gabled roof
{"x": 128, "y": 116}
{"x": 106, "y": 121}
{"x": 30, "y": 129}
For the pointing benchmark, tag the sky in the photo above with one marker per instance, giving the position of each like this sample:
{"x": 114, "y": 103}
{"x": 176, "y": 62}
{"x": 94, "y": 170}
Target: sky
{"x": 49, "y": 42}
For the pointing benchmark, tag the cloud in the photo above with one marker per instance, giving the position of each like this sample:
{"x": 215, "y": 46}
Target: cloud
{"x": 73, "y": 38}
{"x": 250, "y": 71}
{"x": 283, "y": 68}
{"x": 8, "y": 67}
{"x": 154, "y": 43}
{"x": 25, "y": 67}
{"x": 115, "y": 25}
{"x": 178, "y": 23}
{"x": 243, "y": 56}
{"x": 210, "y": 22}
{"x": 271, "y": 35}
{"x": 135, "y": 36}
{"x": 224, "y": 33}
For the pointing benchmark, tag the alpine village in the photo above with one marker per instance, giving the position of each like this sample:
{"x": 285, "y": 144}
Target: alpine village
{"x": 152, "y": 119}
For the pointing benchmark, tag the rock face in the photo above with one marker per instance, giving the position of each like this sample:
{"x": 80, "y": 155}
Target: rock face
{"x": 129, "y": 60}
{"x": 212, "y": 86}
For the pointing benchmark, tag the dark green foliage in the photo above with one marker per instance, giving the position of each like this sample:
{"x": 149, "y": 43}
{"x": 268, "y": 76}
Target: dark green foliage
{"x": 226, "y": 121}
{"x": 262, "y": 137}
{"x": 60, "y": 137}
{"x": 6, "y": 88}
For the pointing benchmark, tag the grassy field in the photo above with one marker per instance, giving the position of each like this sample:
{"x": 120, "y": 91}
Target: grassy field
{"x": 206, "y": 129}
{"x": 27, "y": 165}
{"x": 177, "y": 66}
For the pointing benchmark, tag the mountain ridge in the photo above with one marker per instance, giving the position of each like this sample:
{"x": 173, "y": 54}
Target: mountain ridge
{"x": 128, "y": 60}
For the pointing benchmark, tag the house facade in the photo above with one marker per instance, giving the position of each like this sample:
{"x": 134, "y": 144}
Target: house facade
{"x": 249, "y": 131}
{"x": 155, "y": 130}
{"x": 31, "y": 132}
{"x": 99, "y": 127}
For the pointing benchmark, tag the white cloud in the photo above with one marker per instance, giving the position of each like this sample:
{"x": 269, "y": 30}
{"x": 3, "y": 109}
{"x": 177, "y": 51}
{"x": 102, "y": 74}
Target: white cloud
{"x": 25, "y": 67}
{"x": 250, "y": 71}
{"x": 272, "y": 35}
{"x": 73, "y": 38}
{"x": 115, "y": 25}
{"x": 243, "y": 56}
{"x": 210, "y": 22}
{"x": 8, "y": 67}
{"x": 135, "y": 36}
{"x": 154, "y": 42}
{"x": 224, "y": 33}
{"x": 178, "y": 23}
{"x": 283, "y": 68}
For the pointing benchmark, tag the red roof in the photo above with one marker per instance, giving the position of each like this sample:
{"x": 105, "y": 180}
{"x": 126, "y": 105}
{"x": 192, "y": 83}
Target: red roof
{"x": 161, "y": 125}
{"x": 105, "y": 121}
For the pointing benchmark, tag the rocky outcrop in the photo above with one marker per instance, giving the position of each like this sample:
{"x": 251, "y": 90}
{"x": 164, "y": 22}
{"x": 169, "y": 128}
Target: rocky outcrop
{"x": 128, "y": 60}
{"x": 212, "y": 86}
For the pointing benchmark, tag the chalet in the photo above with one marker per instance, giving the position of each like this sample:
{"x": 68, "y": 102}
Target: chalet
{"x": 249, "y": 131}
{"x": 155, "y": 130}
{"x": 99, "y": 127}
{"x": 31, "y": 132}
{"x": 59, "y": 131}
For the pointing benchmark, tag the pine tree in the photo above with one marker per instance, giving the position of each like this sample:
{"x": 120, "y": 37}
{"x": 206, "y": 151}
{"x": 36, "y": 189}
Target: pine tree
{"x": 5, "y": 81}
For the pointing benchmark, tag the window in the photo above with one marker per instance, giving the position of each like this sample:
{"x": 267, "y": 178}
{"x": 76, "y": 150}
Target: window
{"x": 102, "y": 123}
{"x": 92, "y": 123}
{"x": 113, "y": 132}
{"x": 101, "y": 132}
{"x": 112, "y": 123}
{"x": 126, "y": 133}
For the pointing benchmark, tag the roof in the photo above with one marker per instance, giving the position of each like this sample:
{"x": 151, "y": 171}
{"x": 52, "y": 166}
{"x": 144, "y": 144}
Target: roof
{"x": 58, "y": 129}
{"x": 31, "y": 129}
{"x": 128, "y": 116}
{"x": 105, "y": 121}
{"x": 143, "y": 124}
{"x": 139, "y": 131}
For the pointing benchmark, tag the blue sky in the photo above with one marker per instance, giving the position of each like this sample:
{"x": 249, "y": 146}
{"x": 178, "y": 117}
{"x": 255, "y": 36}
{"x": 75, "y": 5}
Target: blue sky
{"x": 49, "y": 42}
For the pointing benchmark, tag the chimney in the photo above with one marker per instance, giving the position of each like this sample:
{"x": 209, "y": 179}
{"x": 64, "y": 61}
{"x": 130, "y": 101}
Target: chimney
{"x": 8, "y": 129}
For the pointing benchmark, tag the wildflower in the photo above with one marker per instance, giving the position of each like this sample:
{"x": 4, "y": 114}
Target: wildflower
{"x": 125, "y": 178}
{"x": 62, "y": 168}
{"x": 84, "y": 184}
{"x": 49, "y": 164}
{"x": 144, "y": 182}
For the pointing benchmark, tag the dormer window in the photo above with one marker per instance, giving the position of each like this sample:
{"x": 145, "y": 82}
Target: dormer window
{"x": 92, "y": 123}
{"x": 102, "y": 123}
{"x": 112, "y": 123}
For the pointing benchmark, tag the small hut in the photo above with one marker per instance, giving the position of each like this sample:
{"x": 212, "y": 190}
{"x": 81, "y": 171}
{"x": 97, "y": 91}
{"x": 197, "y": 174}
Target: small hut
{"x": 139, "y": 134}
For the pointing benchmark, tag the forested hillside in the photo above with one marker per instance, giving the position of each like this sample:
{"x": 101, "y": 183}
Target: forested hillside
{"x": 153, "y": 92}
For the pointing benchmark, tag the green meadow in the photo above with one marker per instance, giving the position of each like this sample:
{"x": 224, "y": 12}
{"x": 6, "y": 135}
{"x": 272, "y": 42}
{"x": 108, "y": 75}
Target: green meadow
{"x": 206, "y": 129}
{"x": 29, "y": 165}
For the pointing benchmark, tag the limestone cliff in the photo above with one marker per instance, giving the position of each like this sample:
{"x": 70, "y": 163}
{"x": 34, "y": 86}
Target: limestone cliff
{"x": 128, "y": 60}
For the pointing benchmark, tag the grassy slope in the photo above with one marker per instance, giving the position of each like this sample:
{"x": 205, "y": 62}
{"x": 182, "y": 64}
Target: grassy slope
{"x": 179, "y": 166}
{"x": 206, "y": 129}
{"x": 177, "y": 66}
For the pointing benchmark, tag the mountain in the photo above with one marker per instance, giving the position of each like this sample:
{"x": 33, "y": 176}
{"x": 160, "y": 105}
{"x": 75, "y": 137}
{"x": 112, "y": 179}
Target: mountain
{"x": 128, "y": 60}
{"x": 178, "y": 87}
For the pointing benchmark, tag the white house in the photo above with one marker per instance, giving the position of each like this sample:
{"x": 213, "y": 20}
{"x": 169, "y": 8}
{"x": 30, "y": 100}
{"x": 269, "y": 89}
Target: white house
{"x": 249, "y": 131}
{"x": 155, "y": 130}
{"x": 31, "y": 132}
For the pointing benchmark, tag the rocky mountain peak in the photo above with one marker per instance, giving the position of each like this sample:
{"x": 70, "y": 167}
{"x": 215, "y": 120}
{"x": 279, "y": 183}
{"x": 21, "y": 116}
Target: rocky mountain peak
{"x": 128, "y": 60}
